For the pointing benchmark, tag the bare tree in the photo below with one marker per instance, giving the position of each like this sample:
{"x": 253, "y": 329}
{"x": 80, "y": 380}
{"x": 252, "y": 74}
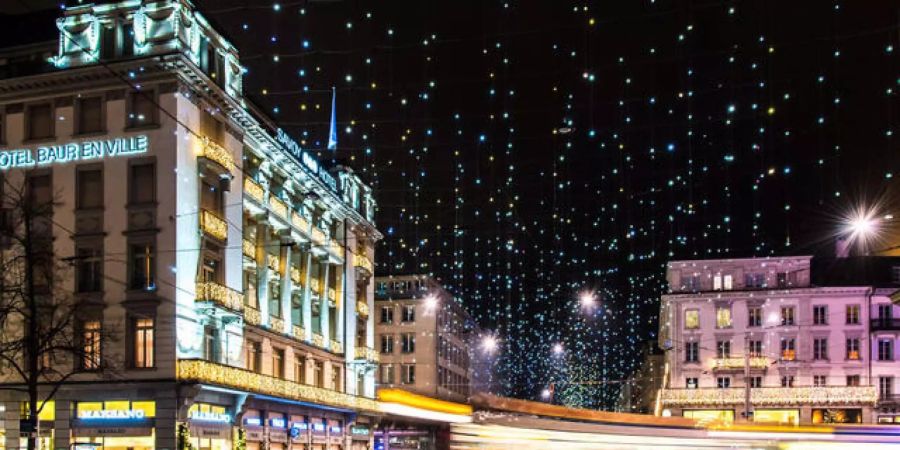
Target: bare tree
{"x": 48, "y": 334}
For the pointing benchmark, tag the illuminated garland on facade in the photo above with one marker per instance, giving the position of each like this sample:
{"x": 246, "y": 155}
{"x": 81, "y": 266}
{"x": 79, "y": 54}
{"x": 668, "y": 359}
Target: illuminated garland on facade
{"x": 273, "y": 261}
{"x": 199, "y": 371}
{"x": 796, "y": 396}
{"x": 276, "y": 324}
{"x": 213, "y": 225}
{"x": 215, "y": 152}
{"x": 252, "y": 316}
{"x": 363, "y": 262}
{"x": 318, "y": 236}
{"x": 318, "y": 340}
{"x": 366, "y": 353}
{"x": 335, "y": 347}
{"x": 221, "y": 295}
{"x": 278, "y": 207}
{"x": 254, "y": 190}
{"x": 298, "y": 332}
{"x": 249, "y": 248}
{"x": 299, "y": 222}
{"x": 738, "y": 363}
{"x": 296, "y": 276}
{"x": 362, "y": 308}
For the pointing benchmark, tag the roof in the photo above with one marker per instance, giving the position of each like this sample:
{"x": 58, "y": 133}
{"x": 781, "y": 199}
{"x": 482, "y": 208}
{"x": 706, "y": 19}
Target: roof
{"x": 875, "y": 271}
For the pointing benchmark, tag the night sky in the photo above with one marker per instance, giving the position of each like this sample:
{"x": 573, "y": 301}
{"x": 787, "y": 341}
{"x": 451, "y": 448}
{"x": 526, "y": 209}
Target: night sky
{"x": 523, "y": 152}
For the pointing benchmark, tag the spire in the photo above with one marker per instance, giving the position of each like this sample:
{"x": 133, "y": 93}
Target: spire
{"x": 332, "y": 130}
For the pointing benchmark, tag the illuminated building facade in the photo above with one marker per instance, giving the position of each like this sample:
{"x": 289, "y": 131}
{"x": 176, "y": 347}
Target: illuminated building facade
{"x": 234, "y": 268}
{"x": 423, "y": 336}
{"x": 814, "y": 346}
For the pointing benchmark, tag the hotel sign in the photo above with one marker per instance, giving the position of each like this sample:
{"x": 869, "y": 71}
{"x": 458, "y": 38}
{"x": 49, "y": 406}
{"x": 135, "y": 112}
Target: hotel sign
{"x": 26, "y": 158}
{"x": 305, "y": 158}
{"x": 112, "y": 414}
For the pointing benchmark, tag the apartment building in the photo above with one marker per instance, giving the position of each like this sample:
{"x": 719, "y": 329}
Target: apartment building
{"x": 424, "y": 338}
{"x": 234, "y": 265}
{"x": 810, "y": 341}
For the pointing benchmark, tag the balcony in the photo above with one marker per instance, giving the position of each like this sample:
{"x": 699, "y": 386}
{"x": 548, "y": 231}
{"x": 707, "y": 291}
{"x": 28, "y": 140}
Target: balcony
{"x": 318, "y": 237}
{"x": 889, "y": 400}
{"x": 199, "y": 371}
{"x": 252, "y": 316}
{"x": 299, "y": 222}
{"x": 332, "y": 295}
{"x": 217, "y": 154}
{"x": 366, "y": 354}
{"x": 298, "y": 332}
{"x": 213, "y": 225}
{"x": 253, "y": 190}
{"x": 737, "y": 363}
{"x": 296, "y": 276}
{"x": 220, "y": 295}
{"x": 795, "y": 396}
{"x": 278, "y": 207}
{"x": 362, "y": 308}
{"x": 335, "y": 347}
{"x": 363, "y": 263}
{"x": 248, "y": 247}
{"x": 318, "y": 340}
{"x": 885, "y": 324}
{"x": 315, "y": 287}
{"x": 335, "y": 252}
{"x": 276, "y": 324}
{"x": 273, "y": 261}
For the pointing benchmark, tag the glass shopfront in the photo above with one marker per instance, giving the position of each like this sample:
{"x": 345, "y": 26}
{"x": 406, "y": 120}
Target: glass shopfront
{"x": 777, "y": 416}
{"x": 725, "y": 415}
{"x": 254, "y": 432}
{"x": 837, "y": 415}
{"x": 210, "y": 427}
{"x": 114, "y": 425}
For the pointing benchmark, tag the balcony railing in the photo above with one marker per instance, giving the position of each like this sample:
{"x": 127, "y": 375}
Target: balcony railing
{"x": 273, "y": 261}
{"x": 298, "y": 332}
{"x": 336, "y": 347}
{"x": 362, "y": 308}
{"x": 299, "y": 222}
{"x": 789, "y": 396}
{"x": 366, "y": 354}
{"x": 252, "y": 316}
{"x": 363, "y": 262}
{"x": 254, "y": 190}
{"x": 737, "y": 363}
{"x": 249, "y": 248}
{"x": 318, "y": 340}
{"x": 885, "y": 323}
{"x": 315, "y": 286}
{"x": 332, "y": 294}
{"x": 215, "y": 152}
{"x": 278, "y": 207}
{"x": 200, "y": 371}
{"x": 891, "y": 399}
{"x": 213, "y": 225}
{"x": 318, "y": 236}
{"x": 276, "y": 324}
{"x": 223, "y": 296}
{"x": 296, "y": 276}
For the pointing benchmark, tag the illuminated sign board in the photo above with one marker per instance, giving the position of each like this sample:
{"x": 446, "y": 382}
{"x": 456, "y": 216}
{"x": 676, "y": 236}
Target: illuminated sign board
{"x": 277, "y": 422}
{"x": 111, "y": 414}
{"x": 319, "y": 427}
{"x": 253, "y": 421}
{"x": 207, "y": 416}
{"x": 25, "y": 158}
{"x": 359, "y": 430}
{"x": 305, "y": 158}
{"x": 335, "y": 429}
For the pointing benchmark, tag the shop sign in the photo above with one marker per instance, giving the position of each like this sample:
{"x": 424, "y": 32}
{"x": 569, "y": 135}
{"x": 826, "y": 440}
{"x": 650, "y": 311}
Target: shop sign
{"x": 335, "y": 429}
{"x": 277, "y": 422}
{"x": 211, "y": 432}
{"x": 207, "y": 416}
{"x": 359, "y": 431}
{"x": 255, "y": 435}
{"x": 253, "y": 421}
{"x": 298, "y": 430}
{"x": 73, "y": 151}
{"x": 115, "y": 431}
{"x": 318, "y": 427}
{"x": 111, "y": 414}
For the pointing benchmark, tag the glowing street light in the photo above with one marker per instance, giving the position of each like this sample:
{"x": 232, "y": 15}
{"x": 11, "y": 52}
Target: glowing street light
{"x": 489, "y": 344}
{"x": 545, "y": 394}
{"x": 558, "y": 349}
{"x": 587, "y": 299}
{"x": 431, "y": 302}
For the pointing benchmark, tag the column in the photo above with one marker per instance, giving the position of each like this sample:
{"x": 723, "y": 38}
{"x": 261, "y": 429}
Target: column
{"x": 286, "y": 285}
{"x": 339, "y": 300}
{"x": 263, "y": 241}
{"x": 307, "y": 300}
{"x": 324, "y": 309}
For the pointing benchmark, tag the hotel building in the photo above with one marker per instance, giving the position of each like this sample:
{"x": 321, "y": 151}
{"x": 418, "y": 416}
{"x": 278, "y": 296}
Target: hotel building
{"x": 806, "y": 341}
{"x": 235, "y": 268}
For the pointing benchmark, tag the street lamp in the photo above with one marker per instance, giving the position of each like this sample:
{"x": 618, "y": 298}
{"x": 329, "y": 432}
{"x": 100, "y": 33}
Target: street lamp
{"x": 587, "y": 299}
{"x": 489, "y": 343}
{"x": 431, "y": 302}
{"x": 558, "y": 349}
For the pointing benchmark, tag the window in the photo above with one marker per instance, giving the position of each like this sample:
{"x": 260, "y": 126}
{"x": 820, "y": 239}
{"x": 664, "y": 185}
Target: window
{"x": 787, "y": 315}
{"x": 756, "y": 382}
{"x": 820, "y": 315}
{"x": 250, "y": 298}
{"x": 387, "y": 374}
{"x": 275, "y": 309}
{"x": 90, "y": 345}
{"x": 852, "y": 380}
{"x": 820, "y": 349}
{"x": 885, "y": 312}
{"x": 787, "y": 381}
{"x": 728, "y": 282}
{"x": 723, "y": 349}
{"x": 754, "y": 316}
{"x": 253, "y": 354}
{"x": 408, "y": 373}
{"x": 820, "y": 380}
{"x": 278, "y": 362}
{"x": 755, "y": 280}
{"x": 691, "y": 319}
{"x": 89, "y": 117}
{"x": 89, "y": 268}
{"x": 209, "y": 270}
{"x": 885, "y": 349}
{"x": 143, "y": 270}
{"x": 143, "y": 343}
{"x": 782, "y": 278}
{"x": 319, "y": 373}
{"x": 387, "y": 314}
{"x": 885, "y": 387}
{"x": 853, "y": 349}
{"x": 723, "y": 317}
{"x": 211, "y": 343}
{"x": 692, "y": 352}
{"x": 691, "y": 383}
{"x": 89, "y": 189}
{"x": 723, "y": 382}
{"x": 409, "y": 313}
{"x": 142, "y": 184}
{"x": 717, "y": 282}
{"x": 755, "y": 348}
{"x": 387, "y": 343}
{"x": 300, "y": 369}
{"x": 40, "y": 121}
{"x": 336, "y": 378}
{"x": 788, "y": 349}
{"x": 142, "y": 110}
{"x": 853, "y": 314}
{"x": 691, "y": 283}
{"x": 408, "y": 342}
